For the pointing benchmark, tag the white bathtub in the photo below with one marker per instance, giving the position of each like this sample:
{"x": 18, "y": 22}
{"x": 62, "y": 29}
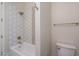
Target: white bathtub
{"x": 25, "y": 49}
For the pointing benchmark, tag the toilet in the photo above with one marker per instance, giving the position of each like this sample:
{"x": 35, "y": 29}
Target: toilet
{"x": 65, "y": 49}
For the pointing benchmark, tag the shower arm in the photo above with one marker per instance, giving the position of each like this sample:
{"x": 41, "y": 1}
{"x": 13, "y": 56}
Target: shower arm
{"x": 35, "y": 6}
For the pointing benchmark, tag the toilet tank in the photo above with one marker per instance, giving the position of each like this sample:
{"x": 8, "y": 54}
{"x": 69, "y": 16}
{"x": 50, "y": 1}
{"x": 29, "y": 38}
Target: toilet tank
{"x": 65, "y": 49}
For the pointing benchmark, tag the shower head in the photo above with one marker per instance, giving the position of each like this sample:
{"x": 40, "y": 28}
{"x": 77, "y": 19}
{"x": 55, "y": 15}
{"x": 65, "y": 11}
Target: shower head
{"x": 21, "y": 13}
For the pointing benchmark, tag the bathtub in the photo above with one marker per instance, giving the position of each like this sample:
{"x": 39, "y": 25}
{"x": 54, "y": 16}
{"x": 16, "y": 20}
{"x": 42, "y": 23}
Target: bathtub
{"x": 24, "y": 49}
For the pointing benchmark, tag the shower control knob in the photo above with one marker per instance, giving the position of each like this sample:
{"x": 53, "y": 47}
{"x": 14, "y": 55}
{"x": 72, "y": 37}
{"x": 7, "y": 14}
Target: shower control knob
{"x": 21, "y": 13}
{"x": 19, "y": 37}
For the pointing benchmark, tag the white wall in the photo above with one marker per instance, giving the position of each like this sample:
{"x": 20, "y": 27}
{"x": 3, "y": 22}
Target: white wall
{"x": 69, "y": 34}
{"x": 66, "y": 11}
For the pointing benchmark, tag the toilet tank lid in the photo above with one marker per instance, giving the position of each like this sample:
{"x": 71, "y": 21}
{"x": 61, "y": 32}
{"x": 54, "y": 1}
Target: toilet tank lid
{"x": 66, "y": 45}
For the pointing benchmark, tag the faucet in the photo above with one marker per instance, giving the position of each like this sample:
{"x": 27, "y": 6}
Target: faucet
{"x": 19, "y": 40}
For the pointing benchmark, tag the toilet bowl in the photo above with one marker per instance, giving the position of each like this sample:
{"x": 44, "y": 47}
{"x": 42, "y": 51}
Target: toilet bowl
{"x": 65, "y": 49}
